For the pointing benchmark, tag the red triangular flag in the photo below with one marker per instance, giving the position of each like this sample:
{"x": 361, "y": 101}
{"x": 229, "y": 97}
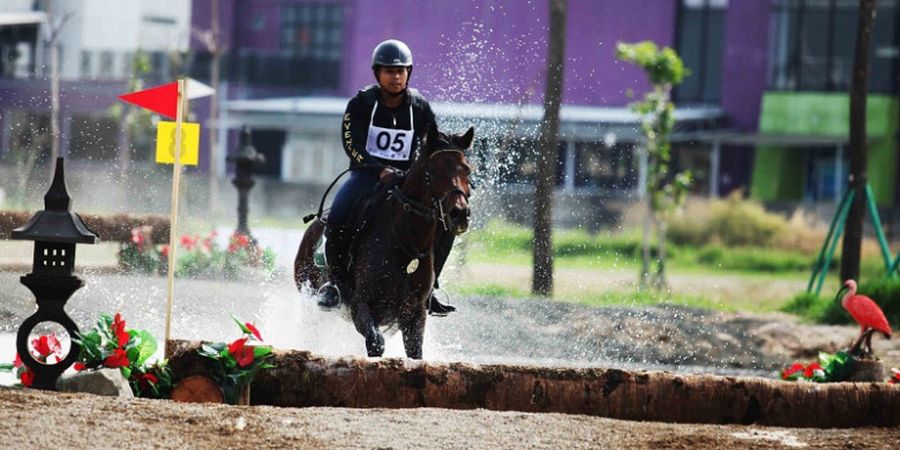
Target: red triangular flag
{"x": 161, "y": 99}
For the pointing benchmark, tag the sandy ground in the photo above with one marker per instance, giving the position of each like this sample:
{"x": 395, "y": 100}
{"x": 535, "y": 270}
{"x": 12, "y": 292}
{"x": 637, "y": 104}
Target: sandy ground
{"x": 50, "y": 420}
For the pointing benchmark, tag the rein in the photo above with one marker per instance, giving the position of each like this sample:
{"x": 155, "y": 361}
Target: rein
{"x": 435, "y": 212}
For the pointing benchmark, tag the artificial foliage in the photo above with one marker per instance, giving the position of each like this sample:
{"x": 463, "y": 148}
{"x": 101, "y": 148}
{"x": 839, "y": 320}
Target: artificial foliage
{"x": 237, "y": 364}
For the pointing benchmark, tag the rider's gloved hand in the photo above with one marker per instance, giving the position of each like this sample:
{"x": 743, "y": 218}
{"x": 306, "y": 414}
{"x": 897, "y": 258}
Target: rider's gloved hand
{"x": 386, "y": 172}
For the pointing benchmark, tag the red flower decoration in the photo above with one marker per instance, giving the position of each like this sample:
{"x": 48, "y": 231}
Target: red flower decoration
{"x": 235, "y": 347}
{"x": 118, "y": 359}
{"x": 164, "y": 250}
{"x": 794, "y": 368}
{"x": 188, "y": 242}
{"x": 27, "y": 378}
{"x": 46, "y": 345}
{"x": 18, "y": 362}
{"x": 79, "y": 366}
{"x": 808, "y": 371}
{"x": 253, "y": 330}
{"x": 118, "y": 328}
{"x": 245, "y": 358}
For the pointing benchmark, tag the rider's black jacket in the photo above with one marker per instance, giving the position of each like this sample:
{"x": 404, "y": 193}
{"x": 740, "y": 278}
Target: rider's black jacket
{"x": 355, "y": 126}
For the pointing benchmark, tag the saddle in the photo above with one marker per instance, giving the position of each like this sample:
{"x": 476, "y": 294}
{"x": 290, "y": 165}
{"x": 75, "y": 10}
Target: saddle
{"x": 362, "y": 215}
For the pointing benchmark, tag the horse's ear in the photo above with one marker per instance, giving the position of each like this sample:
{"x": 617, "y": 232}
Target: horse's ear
{"x": 465, "y": 142}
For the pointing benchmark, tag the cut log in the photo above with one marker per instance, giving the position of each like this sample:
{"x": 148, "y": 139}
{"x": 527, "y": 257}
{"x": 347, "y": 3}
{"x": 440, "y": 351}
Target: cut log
{"x": 197, "y": 389}
{"x": 110, "y": 228}
{"x": 304, "y": 379}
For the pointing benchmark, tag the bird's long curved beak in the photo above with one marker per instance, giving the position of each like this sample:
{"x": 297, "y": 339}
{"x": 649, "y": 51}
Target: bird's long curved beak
{"x": 840, "y": 293}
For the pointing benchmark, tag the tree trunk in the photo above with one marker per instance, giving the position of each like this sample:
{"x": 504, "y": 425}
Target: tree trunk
{"x": 214, "y": 113}
{"x": 302, "y": 379}
{"x": 645, "y": 246}
{"x": 542, "y": 274}
{"x": 661, "y": 283}
{"x": 853, "y": 233}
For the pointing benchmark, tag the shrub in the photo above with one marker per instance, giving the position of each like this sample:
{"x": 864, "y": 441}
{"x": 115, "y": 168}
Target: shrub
{"x": 139, "y": 254}
{"x": 824, "y": 309}
{"x": 733, "y": 221}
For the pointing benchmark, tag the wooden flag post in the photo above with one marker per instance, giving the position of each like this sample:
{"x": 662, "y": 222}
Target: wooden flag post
{"x": 173, "y": 220}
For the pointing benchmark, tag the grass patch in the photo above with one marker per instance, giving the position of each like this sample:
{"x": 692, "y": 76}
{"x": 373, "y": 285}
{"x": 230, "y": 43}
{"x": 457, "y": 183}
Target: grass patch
{"x": 596, "y": 299}
{"x": 824, "y": 309}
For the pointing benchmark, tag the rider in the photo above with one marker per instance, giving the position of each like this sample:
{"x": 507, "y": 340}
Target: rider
{"x": 381, "y": 130}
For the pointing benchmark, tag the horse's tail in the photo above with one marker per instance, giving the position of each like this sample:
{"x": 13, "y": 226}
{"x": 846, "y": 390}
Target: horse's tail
{"x": 305, "y": 270}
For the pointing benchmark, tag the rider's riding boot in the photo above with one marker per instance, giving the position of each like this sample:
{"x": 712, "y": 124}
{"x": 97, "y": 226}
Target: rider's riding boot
{"x": 441, "y": 252}
{"x": 338, "y": 258}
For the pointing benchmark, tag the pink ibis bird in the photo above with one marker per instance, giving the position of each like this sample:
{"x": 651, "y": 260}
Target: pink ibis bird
{"x": 867, "y": 314}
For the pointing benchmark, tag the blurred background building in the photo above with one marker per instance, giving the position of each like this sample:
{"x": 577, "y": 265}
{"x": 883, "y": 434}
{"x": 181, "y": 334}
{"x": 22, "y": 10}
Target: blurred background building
{"x": 765, "y": 109}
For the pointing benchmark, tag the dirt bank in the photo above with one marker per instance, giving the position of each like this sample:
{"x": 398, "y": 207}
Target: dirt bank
{"x": 50, "y": 420}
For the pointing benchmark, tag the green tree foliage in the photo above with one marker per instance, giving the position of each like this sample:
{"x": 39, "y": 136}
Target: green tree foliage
{"x": 666, "y": 191}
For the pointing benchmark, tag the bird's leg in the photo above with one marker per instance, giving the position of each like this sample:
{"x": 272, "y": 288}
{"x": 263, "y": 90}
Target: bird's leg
{"x": 868, "y": 345}
{"x": 855, "y": 348}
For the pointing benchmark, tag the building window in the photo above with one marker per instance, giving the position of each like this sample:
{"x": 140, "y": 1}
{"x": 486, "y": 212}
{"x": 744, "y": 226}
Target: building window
{"x": 812, "y": 42}
{"x": 85, "y": 66}
{"x": 106, "y": 65}
{"x": 606, "y": 169}
{"x": 699, "y": 42}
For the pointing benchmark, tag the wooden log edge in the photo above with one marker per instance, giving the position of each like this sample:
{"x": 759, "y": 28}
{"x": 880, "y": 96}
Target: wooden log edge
{"x": 197, "y": 389}
{"x": 304, "y": 379}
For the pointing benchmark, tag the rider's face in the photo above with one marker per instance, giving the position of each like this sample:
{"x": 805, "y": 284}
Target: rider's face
{"x": 393, "y": 79}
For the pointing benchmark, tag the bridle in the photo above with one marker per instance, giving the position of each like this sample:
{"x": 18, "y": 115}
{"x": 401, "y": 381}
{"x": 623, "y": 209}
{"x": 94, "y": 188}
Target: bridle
{"x": 431, "y": 213}
{"x": 437, "y": 211}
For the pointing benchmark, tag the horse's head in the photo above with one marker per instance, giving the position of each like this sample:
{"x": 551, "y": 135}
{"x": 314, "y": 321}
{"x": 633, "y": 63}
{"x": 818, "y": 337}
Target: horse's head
{"x": 446, "y": 172}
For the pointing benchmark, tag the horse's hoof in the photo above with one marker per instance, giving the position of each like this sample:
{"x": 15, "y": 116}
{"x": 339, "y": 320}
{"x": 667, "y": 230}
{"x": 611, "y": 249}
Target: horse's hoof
{"x": 375, "y": 346}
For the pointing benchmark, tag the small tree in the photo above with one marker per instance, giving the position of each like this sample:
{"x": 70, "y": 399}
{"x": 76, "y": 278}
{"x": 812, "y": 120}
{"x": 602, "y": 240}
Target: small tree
{"x": 665, "y": 191}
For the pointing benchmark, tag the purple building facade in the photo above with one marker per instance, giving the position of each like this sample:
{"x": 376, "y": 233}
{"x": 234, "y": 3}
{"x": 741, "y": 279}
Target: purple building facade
{"x": 491, "y": 54}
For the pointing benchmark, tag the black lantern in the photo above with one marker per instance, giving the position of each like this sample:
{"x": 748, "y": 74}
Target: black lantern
{"x": 245, "y": 158}
{"x": 55, "y": 231}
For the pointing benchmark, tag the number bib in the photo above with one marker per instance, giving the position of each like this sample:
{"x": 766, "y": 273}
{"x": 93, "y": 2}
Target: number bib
{"x": 390, "y": 143}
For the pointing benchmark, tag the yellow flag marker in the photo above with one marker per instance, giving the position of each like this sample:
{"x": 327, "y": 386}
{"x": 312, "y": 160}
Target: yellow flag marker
{"x": 165, "y": 143}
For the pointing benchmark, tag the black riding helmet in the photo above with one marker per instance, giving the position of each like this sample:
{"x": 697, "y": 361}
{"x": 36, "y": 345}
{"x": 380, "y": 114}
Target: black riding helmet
{"x": 391, "y": 53}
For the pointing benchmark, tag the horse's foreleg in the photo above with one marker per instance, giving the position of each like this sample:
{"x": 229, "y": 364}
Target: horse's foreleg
{"x": 413, "y": 328}
{"x": 365, "y": 325}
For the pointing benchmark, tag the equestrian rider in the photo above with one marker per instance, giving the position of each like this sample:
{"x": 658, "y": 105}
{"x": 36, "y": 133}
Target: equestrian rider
{"x": 382, "y": 127}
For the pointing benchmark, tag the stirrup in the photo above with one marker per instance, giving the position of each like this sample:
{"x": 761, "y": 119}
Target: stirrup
{"x": 329, "y": 296}
{"x": 438, "y": 309}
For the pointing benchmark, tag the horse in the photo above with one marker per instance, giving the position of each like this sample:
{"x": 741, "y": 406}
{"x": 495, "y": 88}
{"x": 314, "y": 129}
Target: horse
{"x": 392, "y": 259}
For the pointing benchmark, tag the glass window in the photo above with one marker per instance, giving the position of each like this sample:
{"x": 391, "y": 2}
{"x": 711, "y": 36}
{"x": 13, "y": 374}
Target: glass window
{"x": 106, "y": 64}
{"x": 85, "y": 65}
{"x": 699, "y": 42}
{"x": 607, "y": 169}
{"x": 311, "y": 44}
{"x": 812, "y": 44}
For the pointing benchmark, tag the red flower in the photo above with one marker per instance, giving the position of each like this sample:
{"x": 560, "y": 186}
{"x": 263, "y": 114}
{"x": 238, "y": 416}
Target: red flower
{"x": 46, "y": 345}
{"x": 137, "y": 237}
{"x": 794, "y": 368}
{"x": 245, "y": 358}
{"x": 146, "y": 379}
{"x": 118, "y": 328}
{"x": 253, "y": 330}
{"x": 808, "y": 372}
{"x": 18, "y": 362}
{"x": 188, "y": 242}
{"x": 27, "y": 378}
{"x": 164, "y": 250}
{"x": 236, "y": 346}
{"x": 118, "y": 359}
{"x": 79, "y": 366}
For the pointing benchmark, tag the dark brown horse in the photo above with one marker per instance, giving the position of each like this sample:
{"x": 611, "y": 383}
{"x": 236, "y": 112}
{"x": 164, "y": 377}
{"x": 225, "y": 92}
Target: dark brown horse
{"x": 393, "y": 261}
